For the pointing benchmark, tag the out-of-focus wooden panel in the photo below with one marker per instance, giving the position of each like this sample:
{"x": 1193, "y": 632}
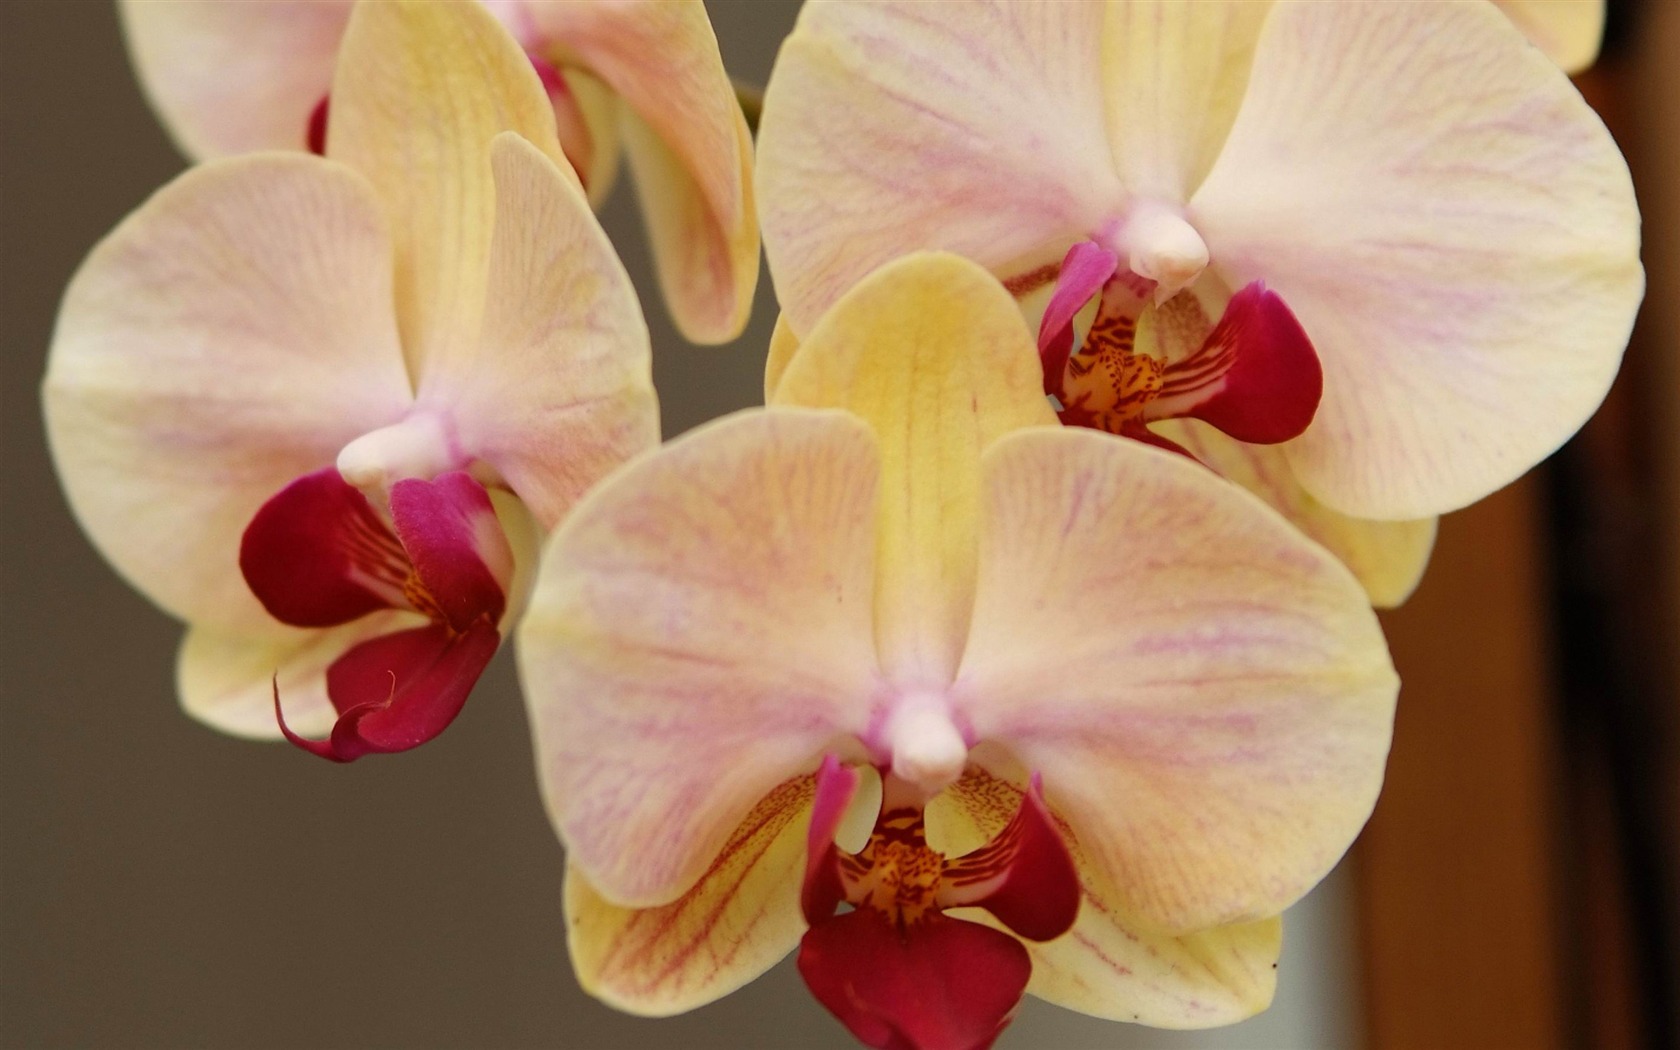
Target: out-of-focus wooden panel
{"x": 1457, "y": 868}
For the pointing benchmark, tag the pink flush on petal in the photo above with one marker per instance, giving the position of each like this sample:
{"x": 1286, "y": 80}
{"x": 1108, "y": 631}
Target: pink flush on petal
{"x": 897, "y": 971}
{"x": 1254, "y": 375}
{"x": 318, "y": 554}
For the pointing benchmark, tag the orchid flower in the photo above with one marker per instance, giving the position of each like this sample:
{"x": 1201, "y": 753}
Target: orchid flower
{"x": 1370, "y": 260}
{"x": 1050, "y": 710}
{"x": 311, "y": 406}
{"x": 643, "y": 77}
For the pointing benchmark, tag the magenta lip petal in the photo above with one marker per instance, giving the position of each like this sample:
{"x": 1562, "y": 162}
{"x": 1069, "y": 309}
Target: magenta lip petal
{"x": 1086, "y": 267}
{"x": 315, "y": 132}
{"x": 1025, "y": 876}
{"x": 822, "y": 891}
{"x": 318, "y": 555}
{"x": 442, "y": 524}
{"x": 938, "y": 984}
{"x": 1257, "y": 376}
{"x": 399, "y": 690}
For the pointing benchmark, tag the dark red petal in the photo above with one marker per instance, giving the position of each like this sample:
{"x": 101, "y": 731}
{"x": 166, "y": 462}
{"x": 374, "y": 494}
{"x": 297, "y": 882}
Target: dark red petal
{"x": 318, "y": 555}
{"x": 942, "y": 984}
{"x": 822, "y": 889}
{"x": 315, "y": 136}
{"x": 1257, "y": 377}
{"x": 450, "y": 532}
{"x": 400, "y": 690}
{"x": 1085, "y": 268}
{"x": 1025, "y": 876}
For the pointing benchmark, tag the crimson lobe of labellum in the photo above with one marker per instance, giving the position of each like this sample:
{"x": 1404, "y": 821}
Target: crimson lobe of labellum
{"x": 315, "y": 132}
{"x": 932, "y": 982}
{"x": 1256, "y": 376}
{"x": 939, "y": 984}
{"x": 319, "y": 555}
{"x": 1025, "y": 876}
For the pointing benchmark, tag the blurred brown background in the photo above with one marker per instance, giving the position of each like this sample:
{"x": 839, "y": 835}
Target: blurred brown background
{"x": 163, "y": 886}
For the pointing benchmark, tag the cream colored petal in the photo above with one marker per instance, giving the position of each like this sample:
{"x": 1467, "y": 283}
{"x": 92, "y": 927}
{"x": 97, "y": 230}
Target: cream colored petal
{"x": 738, "y": 920}
{"x": 699, "y": 633}
{"x": 1107, "y": 965}
{"x": 229, "y": 336}
{"x": 973, "y": 127}
{"x": 1388, "y": 557}
{"x": 707, "y": 270}
{"x": 557, "y": 389}
{"x": 932, "y": 352}
{"x": 1175, "y": 74}
{"x": 227, "y": 680}
{"x": 690, "y": 150}
{"x": 1206, "y": 693}
{"x": 422, "y": 89}
{"x": 783, "y": 345}
{"x": 1454, "y": 228}
{"x": 1568, "y": 31}
{"x": 234, "y": 77}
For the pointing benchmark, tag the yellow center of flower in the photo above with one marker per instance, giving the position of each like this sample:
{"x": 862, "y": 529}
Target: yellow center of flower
{"x": 897, "y": 874}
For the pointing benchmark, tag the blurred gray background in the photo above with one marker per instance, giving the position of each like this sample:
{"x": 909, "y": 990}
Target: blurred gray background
{"x": 164, "y": 886}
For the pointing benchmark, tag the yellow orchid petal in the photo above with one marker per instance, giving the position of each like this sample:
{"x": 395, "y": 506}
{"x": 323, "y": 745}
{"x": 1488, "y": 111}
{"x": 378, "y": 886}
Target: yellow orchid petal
{"x": 421, "y": 90}
{"x": 783, "y": 345}
{"x": 1107, "y": 965}
{"x": 738, "y": 920}
{"x": 708, "y": 270}
{"x": 1206, "y": 694}
{"x": 1388, "y": 557}
{"x": 227, "y": 680}
{"x": 1463, "y": 251}
{"x": 556, "y": 391}
{"x": 1175, "y": 74}
{"x": 602, "y": 112}
{"x": 231, "y": 78}
{"x": 983, "y": 135}
{"x": 932, "y": 352}
{"x": 231, "y": 334}
{"x": 689, "y": 146}
{"x": 1568, "y": 31}
{"x": 698, "y": 634}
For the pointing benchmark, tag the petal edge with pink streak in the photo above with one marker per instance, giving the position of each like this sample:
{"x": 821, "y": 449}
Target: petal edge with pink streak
{"x": 735, "y": 923}
{"x": 700, "y": 632}
{"x": 888, "y": 128}
{"x": 1461, "y": 249}
{"x": 230, "y": 336}
{"x": 1224, "y": 698}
